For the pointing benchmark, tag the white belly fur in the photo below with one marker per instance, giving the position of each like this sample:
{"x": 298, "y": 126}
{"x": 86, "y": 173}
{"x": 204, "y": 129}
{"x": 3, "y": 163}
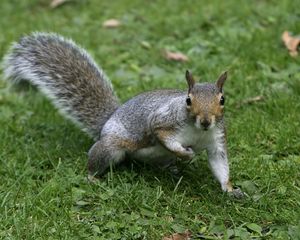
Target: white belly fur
{"x": 197, "y": 139}
{"x": 154, "y": 154}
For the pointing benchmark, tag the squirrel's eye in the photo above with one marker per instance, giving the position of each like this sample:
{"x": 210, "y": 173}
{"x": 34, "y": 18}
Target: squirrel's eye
{"x": 222, "y": 100}
{"x": 188, "y": 101}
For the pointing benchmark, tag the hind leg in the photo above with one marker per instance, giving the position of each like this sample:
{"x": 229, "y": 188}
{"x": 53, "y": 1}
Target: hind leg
{"x": 103, "y": 154}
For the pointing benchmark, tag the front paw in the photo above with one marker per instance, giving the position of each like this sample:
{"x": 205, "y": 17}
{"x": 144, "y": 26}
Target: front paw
{"x": 189, "y": 153}
{"x": 92, "y": 179}
{"x": 237, "y": 193}
{"x": 233, "y": 192}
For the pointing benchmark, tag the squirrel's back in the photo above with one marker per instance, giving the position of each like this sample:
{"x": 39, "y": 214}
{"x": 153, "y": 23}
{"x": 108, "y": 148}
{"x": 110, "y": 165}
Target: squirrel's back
{"x": 67, "y": 75}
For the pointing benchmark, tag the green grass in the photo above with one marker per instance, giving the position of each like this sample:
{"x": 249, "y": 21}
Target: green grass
{"x": 44, "y": 193}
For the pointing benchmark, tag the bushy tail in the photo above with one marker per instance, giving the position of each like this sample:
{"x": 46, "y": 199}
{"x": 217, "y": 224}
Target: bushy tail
{"x": 67, "y": 75}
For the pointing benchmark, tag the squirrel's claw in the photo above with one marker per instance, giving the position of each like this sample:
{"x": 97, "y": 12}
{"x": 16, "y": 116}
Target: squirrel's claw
{"x": 92, "y": 179}
{"x": 189, "y": 153}
{"x": 237, "y": 193}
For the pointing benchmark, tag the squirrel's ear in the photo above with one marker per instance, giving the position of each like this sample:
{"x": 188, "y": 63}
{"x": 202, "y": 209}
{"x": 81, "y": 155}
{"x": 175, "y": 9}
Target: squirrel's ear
{"x": 221, "y": 81}
{"x": 190, "y": 80}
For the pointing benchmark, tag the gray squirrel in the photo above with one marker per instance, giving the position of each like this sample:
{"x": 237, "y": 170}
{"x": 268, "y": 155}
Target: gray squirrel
{"x": 156, "y": 126}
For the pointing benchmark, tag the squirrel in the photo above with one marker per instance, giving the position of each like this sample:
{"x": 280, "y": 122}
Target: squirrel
{"x": 158, "y": 126}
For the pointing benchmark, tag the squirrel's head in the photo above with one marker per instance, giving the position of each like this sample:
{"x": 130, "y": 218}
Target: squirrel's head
{"x": 205, "y": 101}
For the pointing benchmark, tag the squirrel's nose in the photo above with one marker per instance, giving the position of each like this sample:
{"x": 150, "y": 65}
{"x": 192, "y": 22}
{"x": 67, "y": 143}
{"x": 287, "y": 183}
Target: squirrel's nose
{"x": 205, "y": 123}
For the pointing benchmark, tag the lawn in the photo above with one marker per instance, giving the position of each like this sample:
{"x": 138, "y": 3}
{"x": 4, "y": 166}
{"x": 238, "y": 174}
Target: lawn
{"x": 44, "y": 192}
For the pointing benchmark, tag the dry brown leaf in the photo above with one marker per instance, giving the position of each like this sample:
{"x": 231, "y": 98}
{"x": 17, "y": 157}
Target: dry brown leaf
{"x": 251, "y": 100}
{"x": 291, "y": 43}
{"x": 176, "y": 56}
{"x": 111, "y": 23}
{"x": 57, "y": 3}
{"x": 179, "y": 236}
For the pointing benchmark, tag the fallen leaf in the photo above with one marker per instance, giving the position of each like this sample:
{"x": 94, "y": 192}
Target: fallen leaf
{"x": 57, "y": 3}
{"x": 179, "y": 236}
{"x": 291, "y": 43}
{"x": 251, "y": 100}
{"x": 111, "y": 23}
{"x": 145, "y": 44}
{"x": 176, "y": 56}
{"x": 82, "y": 203}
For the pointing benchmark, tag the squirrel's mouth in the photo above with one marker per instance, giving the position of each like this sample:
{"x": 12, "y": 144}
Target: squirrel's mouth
{"x": 204, "y": 123}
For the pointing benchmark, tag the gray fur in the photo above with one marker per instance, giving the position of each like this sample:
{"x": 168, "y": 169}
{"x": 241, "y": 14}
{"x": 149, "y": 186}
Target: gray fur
{"x": 138, "y": 121}
{"x": 67, "y": 75}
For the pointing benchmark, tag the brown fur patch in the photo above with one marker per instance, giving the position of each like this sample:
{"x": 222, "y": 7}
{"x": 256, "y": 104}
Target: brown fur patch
{"x": 129, "y": 144}
{"x": 229, "y": 187}
{"x": 164, "y": 134}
